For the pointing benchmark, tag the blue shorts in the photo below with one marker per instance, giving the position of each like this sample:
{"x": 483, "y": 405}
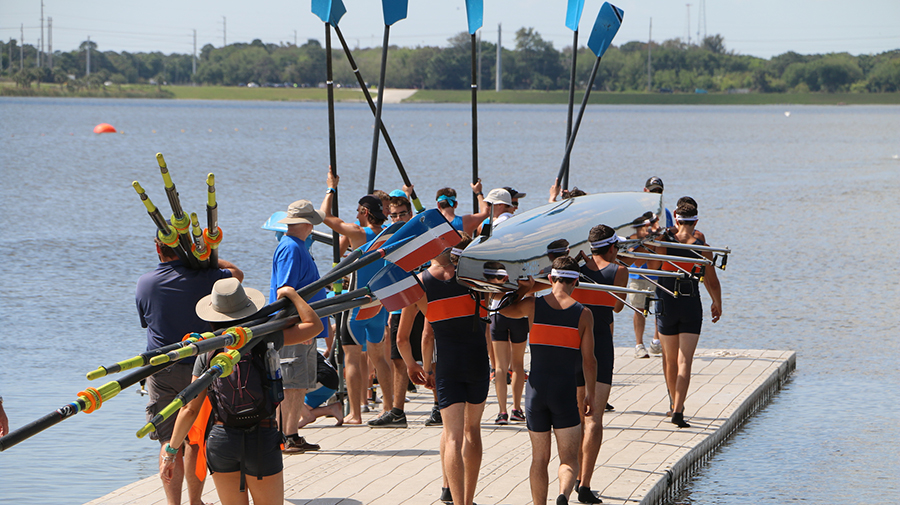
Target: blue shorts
{"x": 261, "y": 451}
{"x": 317, "y": 397}
{"x": 508, "y": 329}
{"x": 451, "y": 391}
{"x": 551, "y": 406}
{"x": 368, "y": 330}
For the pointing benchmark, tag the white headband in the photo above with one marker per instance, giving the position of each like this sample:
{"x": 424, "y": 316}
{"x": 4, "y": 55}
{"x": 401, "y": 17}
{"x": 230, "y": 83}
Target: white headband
{"x": 679, "y": 217}
{"x": 605, "y": 242}
{"x": 558, "y": 250}
{"x": 643, "y": 223}
{"x": 456, "y": 252}
{"x": 565, "y": 274}
{"x": 491, "y": 271}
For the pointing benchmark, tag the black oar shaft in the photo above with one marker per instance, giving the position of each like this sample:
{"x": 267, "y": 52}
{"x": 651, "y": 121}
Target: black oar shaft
{"x": 212, "y": 217}
{"x": 332, "y": 145}
{"x": 378, "y": 109}
{"x": 384, "y": 132}
{"x": 584, "y": 102}
{"x": 474, "y": 121}
{"x": 179, "y": 220}
{"x": 564, "y": 183}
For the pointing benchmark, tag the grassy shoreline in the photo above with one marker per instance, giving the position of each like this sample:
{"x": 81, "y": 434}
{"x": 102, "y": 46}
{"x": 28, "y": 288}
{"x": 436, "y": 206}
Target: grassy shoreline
{"x": 459, "y": 96}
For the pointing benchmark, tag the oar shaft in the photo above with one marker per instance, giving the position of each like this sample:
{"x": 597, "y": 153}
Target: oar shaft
{"x": 212, "y": 218}
{"x": 564, "y": 183}
{"x": 664, "y": 257}
{"x": 180, "y": 221}
{"x": 584, "y": 102}
{"x": 332, "y": 145}
{"x": 384, "y": 132}
{"x": 378, "y": 109}
{"x": 474, "y": 121}
{"x": 690, "y": 247}
{"x": 167, "y": 233}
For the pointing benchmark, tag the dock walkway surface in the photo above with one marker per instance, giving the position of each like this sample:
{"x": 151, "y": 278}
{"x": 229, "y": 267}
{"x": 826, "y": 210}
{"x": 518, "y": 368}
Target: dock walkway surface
{"x": 644, "y": 458}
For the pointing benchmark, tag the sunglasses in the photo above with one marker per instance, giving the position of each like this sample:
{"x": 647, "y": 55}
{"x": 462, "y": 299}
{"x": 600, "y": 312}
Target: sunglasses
{"x": 398, "y": 215}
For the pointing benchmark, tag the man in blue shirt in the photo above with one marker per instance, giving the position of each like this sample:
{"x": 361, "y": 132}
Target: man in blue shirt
{"x": 166, "y": 298}
{"x": 293, "y": 266}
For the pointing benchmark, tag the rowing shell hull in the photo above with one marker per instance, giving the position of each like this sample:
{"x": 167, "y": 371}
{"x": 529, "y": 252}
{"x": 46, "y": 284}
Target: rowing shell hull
{"x": 520, "y": 243}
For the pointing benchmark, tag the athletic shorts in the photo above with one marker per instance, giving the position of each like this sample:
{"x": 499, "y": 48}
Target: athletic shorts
{"x": 318, "y": 396}
{"x": 638, "y": 300}
{"x": 415, "y": 336}
{"x": 508, "y": 329}
{"x": 261, "y": 451}
{"x": 551, "y": 406}
{"x": 368, "y": 330}
{"x": 450, "y": 391}
{"x": 163, "y": 386}
{"x": 299, "y": 372}
{"x": 680, "y": 315}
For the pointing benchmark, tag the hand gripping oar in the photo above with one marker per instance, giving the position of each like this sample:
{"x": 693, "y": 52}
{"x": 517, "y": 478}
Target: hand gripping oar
{"x": 573, "y": 18}
{"x": 387, "y": 138}
{"x": 167, "y": 234}
{"x": 474, "y": 18}
{"x": 394, "y": 10}
{"x": 180, "y": 221}
{"x": 609, "y": 19}
{"x": 212, "y": 235}
{"x": 88, "y": 401}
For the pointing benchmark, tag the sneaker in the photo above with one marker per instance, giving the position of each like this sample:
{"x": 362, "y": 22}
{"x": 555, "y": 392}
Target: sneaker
{"x": 509, "y": 377}
{"x": 502, "y": 419}
{"x": 585, "y": 495}
{"x": 640, "y": 352}
{"x": 389, "y": 420}
{"x": 610, "y": 408}
{"x": 446, "y": 497}
{"x": 492, "y": 375}
{"x": 656, "y": 347}
{"x": 365, "y": 408}
{"x": 295, "y": 444}
{"x": 516, "y": 415}
{"x": 435, "y": 418}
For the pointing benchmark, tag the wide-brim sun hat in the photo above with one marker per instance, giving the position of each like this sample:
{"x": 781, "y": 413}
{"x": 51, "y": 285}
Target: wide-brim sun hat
{"x": 228, "y": 301}
{"x": 302, "y": 211}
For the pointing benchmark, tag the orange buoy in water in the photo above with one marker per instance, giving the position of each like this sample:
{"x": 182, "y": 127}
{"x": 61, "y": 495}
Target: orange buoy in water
{"x": 104, "y": 128}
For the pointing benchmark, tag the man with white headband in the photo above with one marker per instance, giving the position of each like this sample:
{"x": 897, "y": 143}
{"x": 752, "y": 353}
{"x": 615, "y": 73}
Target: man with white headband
{"x": 600, "y": 267}
{"x": 561, "y": 334}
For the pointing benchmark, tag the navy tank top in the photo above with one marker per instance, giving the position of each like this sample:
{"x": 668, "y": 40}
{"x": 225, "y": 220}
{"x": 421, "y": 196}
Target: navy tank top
{"x": 554, "y": 342}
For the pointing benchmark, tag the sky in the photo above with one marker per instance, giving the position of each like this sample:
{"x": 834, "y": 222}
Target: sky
{"x": 763, "y": 28}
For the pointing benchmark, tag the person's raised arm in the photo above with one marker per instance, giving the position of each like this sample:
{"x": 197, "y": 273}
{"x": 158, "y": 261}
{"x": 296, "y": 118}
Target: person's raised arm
{"x": 554, "y": 191}
{"x": 310, "y": 325}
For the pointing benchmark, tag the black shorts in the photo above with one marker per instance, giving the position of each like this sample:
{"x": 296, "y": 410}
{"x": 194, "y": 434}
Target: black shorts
{"x": 508, "y": 329}
{"x": 552, "y": 405}
{"x": 450, "y": 391}
{"x": 261, "y": 451}
{"x": 415, "y": 336}
{"x": 679, "y": 315}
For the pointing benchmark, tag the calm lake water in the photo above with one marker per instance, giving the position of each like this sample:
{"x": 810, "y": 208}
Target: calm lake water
{"x": 806, "y": 202}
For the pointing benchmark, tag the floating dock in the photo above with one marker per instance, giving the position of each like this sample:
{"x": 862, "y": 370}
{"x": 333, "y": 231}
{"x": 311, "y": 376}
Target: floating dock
{"x": 644, "y": 458}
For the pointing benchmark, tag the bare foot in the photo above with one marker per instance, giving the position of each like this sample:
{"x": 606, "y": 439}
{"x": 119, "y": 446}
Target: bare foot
{"x": 304, "y": 421}
{"x": 351, "y": 420}
{"x": 335, "y": 412}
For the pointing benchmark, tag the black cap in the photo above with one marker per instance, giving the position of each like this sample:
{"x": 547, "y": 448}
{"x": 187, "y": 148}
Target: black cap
{"x": 373, "y": 204}
{"x": 654, "y": 185}
{"x": 513, "y": 193}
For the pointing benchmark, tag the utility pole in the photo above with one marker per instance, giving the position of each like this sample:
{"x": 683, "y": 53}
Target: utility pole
{"x": 88, "y": 67}
{"x": 194, "y": 60}
{"x": 37, "y": 59}
{"x": 295, "y": 38}
{"x": 50, "y": 42}
{"x": 649, "y": 48}
{"x": 41, "y": 40}
{"x": 499, "y": 79}
{"x": 688, "y": 31}
{"x": 22, "y": 46}
{"x": 224, "y": 33}
{"x": 701, "y": 20}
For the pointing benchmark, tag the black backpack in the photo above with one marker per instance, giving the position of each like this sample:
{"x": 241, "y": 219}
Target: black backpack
{"x": 245, "y": 397}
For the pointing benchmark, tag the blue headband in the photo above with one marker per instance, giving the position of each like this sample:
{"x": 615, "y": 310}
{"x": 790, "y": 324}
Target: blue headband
{"x": 451, "y": 199}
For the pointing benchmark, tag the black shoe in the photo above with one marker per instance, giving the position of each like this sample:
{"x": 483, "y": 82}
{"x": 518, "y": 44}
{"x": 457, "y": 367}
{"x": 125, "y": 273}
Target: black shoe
{"x": 389, "y": 419}
{"x": 562, "y": 500}
{"x": 445, "y": 495}
{"x": 516, "y": 415}
{"x": 678, "y": 420}
{"x": 435, "y": 419}
{"x": 610, "y": 408}
{"x": 585, "y": 495}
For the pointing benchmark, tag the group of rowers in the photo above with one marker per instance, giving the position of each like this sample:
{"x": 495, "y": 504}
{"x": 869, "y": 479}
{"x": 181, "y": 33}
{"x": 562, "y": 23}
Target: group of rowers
{"x": 439, "y": 341}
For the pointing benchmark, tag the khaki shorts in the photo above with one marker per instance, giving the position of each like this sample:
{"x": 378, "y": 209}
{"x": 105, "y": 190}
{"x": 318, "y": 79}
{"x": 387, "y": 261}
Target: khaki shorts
{"x": 299, "y": 371}
{"x": 638, "y": 300}
{"x": 163, "y": 386}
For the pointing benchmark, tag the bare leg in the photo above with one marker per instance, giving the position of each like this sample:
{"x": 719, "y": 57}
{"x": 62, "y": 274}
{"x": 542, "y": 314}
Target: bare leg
{"x": 401, "y": 380}
{"x": 639, "y": 324}
{"x": 334, "y": 410}
{"x": 670, "y": 345}
{"x": 568, "y": 441}
{"x": 228, "y": 487}
{"x": 290, "y": 410}
{"x": 593, "y": 433}
{"x": 687, "y": 346}
{"x": 540, "y": 458}
{"x": 353, "y": 372}
{"x": 452, "y": 441}
{"x": 268, "y": 491}
{"x": 173, "y": 487}
{"x": 517, "y": 363}
{"x": 194, "y": 485}
{"x": 472, "y": 450}
{"x": 385, "y": 374}
{"x": 501, "y": 357}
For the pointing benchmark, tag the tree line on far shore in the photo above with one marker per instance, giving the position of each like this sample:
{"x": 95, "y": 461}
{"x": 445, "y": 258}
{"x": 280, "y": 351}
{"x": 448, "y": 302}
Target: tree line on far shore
{"x": 532, "y": 64}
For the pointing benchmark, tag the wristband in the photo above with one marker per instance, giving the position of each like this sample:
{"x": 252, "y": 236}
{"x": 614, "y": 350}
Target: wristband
{"x": 171, "y": 450}
{"x": 479, "y": 194}
{"x": 330, "y": 190}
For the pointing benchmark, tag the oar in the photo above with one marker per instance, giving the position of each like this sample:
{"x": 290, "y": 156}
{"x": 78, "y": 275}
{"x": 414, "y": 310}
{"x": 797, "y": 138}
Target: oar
{"x": 394, "y": 10}
{"x": 474, "y": 18}
{"x": 573, "y": 18}
{"x": 167, "y": 234}
{"x": 609, "y": 19}
{"x": 212, "y": 235}
{"x": 387, "y": 138}
{"x": 180, "y": 221}
{"x": 198, "y": 248}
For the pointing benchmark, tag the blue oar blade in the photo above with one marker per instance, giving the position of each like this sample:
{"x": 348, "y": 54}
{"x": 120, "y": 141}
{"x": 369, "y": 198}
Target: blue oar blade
{"x": 475, "y": 14}
{"x": 272, "y": 223}
{"x": 609, "y": 19}
{"x": 394, "y": 10}
{"x": 573, "y": 14}
{"x": 329, "y": 11}
{"x": 427, "y": 235}
{"x": 395, "y": 287}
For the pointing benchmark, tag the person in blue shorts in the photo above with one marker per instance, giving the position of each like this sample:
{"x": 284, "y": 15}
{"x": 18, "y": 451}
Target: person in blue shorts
{"x": 561, "y": 333}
